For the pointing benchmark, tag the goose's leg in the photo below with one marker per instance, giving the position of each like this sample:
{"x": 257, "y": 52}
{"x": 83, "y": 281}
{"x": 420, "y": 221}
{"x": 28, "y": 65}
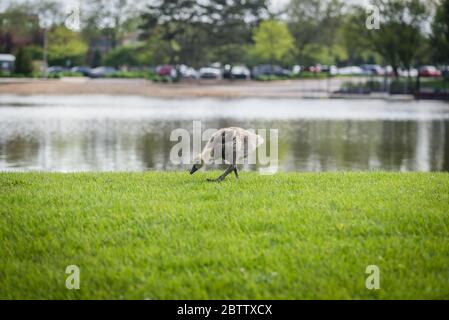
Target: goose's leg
{"x": 234, "y": 158}
{"x": 223, "y": 176}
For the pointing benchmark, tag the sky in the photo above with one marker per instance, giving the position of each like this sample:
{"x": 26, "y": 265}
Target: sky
{"x": 276, "y": 4}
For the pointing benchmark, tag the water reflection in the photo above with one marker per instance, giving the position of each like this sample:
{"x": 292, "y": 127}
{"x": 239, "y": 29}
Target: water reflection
{"x": 131, "y": 133}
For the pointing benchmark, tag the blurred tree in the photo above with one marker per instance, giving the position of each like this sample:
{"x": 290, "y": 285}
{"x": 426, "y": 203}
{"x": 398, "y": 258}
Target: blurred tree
{"x": 440, "y": 33}
{"x": 111, "y": 18}
{"x": 108, "y": 24}
{"x": 65, "y": 47}
{"x": 272, "y": 42}
{"x": 400, "y": 38}
{"x": 35, "y": 51}
{"x": 200, "y": 32}
{"x": 97, "y": 59}
{"x": 171, "y": 21}
{"x": 123, "y": 56}
{"x": 353, "y": 37}
{"x": 154, "y": 51}
{"x": 19, "y": 26}
{"x": 23, "y": 63}
{"x": 50, "y": 12}
{"x": 230, "y": 27}
{"x": 314, "y": 24}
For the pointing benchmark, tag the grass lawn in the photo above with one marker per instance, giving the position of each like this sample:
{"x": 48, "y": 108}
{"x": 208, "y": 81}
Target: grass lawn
{"x": 171, "y": 235}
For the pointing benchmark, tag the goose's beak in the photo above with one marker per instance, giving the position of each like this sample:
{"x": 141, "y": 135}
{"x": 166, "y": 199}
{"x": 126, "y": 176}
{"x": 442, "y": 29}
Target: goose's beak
{"x": 193, "y": 170}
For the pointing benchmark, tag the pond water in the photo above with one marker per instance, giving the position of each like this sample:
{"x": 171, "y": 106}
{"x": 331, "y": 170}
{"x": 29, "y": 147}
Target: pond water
{"x": 127, "y": 133}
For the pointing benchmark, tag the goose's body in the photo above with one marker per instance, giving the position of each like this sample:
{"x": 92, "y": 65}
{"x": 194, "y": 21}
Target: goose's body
{"x": 230, "y": 145}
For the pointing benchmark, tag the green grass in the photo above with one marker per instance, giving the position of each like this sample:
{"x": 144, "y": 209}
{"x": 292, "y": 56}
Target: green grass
{"x": 436, "y": 84}
{"x": 133, "y": 75}
{"x": 171, "y": 235}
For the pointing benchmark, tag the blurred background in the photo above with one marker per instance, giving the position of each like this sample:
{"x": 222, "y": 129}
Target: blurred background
{"x": 99, "y": 85}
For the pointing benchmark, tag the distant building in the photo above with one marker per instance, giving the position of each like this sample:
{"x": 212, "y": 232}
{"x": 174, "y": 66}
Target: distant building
{"x": 98, "y": 47}
{"x": 7, "y": 62}
{"x": 131, "y": 38}
{"x": 19, "y": 30}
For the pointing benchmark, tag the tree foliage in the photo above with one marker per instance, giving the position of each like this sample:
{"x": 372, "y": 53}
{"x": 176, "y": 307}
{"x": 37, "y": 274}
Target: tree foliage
{"x": 110, "y": 18}
{"x": 400, "y": 41}
{"x": 314, "y": 24}
{"x": 65, "y": 46}
{"x": 23, "y": 64}
{"x": 123, "y": 56}
{"x": 238, "y": 31}
{"x": 440, "y": 33}
{"x": 197, "y": 32}
{"x": 18, "y": 28}
{"x": 272, "y": 42}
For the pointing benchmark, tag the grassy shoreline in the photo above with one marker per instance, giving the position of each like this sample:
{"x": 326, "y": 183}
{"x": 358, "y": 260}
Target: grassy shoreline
{"x": 161, "y": 235}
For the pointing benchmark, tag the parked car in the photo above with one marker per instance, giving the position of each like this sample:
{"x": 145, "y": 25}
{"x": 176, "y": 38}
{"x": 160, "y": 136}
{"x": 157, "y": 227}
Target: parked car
{"x": 226, "y": 72}
{"x": 388, "y": 71}
{"x": 373, "y": 70}
{"x": 332, "y": 70}
{"x": 314, "y": 69}
{"x": 429, "y": 71}
{"x": 210, "y": 73}
{"x": 296, "y": 69}
{"x": 55, "y": 69}
{"x": 85, "y": 71}
{"x": 101, "y": 72}
{"x": 240, "y": 72}
{"x": 188, "y": 72}
{"x": 269, "y": 70}
{"x": 166, "y": 70}
{"x": 350, "y": 70}
{"x": 445, "y": 72}
{"x": 235, "y": 72}
{"x": 406, "y": 73}
{"x": 7, "y": 62}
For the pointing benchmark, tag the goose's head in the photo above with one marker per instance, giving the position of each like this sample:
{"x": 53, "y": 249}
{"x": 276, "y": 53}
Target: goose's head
{"x": 198, "y": 163}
